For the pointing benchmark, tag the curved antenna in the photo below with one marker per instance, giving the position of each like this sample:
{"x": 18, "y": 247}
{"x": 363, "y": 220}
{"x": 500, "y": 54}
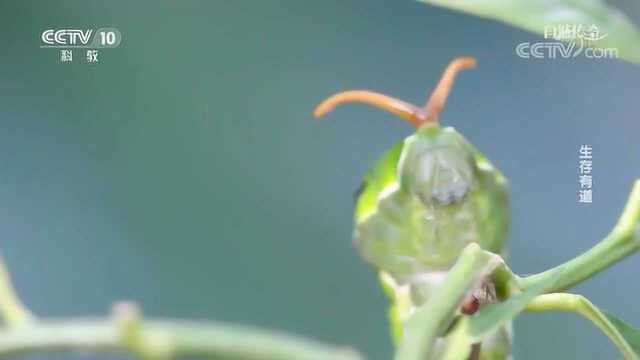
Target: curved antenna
{"x": 438, "y": 98}
{"x": 413, "y": 114}
{"x": 409, "y": 112}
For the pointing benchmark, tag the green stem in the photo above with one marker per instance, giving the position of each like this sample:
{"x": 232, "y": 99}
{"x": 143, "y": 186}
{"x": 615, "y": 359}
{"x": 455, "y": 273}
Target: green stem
{"x": 154, "y": 340}
{"x": 582, "y": 306}
{"x": 431, "y": 319}
{"x": 164, "y": 340}
{"x": 621, "y": 242}
{"x": 12, "y": 309}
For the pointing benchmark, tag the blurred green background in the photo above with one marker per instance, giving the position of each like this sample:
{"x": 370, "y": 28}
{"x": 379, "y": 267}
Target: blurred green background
{"x": 184, "y": 170}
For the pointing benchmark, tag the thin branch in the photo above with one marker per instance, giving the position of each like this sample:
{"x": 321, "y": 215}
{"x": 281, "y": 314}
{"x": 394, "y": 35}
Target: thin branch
{"x": 582, "y": 306}
{"x": 159, "y": 340}
{"x": 431, "y": 319}
{"x": 154, "y": 340}
{"x": 12, "y": 309}
{"x": 621, "y": 242}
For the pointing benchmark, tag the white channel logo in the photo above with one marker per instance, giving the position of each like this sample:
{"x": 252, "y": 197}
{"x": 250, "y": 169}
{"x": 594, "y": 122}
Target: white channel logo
{"x": 77, "y": 38}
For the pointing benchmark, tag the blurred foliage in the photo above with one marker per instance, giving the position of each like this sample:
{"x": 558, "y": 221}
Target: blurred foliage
{"x": 613, "y": 29}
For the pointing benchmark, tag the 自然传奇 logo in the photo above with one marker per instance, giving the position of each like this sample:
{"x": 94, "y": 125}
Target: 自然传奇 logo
{"x": 568, "y": 41}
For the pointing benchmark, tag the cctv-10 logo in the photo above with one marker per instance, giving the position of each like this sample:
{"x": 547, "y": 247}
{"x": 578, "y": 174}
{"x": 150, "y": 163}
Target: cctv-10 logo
{"x": 62, "y": 38}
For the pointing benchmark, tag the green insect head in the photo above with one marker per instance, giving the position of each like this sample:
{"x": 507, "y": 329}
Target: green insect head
{"x": 428, "y": 196}
{"x": 435, "y": 164}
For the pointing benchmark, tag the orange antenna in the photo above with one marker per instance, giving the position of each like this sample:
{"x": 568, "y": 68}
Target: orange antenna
{"x": 413, "y": 114}
{"x": 409, "y": 112}
{"x": 437, "y": 100}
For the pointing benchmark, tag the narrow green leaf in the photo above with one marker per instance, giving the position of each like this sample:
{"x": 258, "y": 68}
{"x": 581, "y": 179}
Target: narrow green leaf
{"x": 630, "y": 334}
{"x": 458, "y": 343}
{"x": 582, "y": 306}
{"x": 536, "y": 15}
{"x": 431, "y": 319}
{"x": 494, "y": 316}
{"x": 473, "y": 329}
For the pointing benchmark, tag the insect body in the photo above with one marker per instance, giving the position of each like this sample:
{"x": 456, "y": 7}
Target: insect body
{"x": 423, "y": 202}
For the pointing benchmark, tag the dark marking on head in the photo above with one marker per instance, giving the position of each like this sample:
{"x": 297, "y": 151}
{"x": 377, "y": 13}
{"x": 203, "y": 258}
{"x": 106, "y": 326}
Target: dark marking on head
{"x": 359, "y": 191}
{"x": 450, "y": 194}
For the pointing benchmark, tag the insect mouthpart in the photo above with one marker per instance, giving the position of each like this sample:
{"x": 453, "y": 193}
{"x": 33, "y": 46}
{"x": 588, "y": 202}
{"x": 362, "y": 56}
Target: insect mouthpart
{"x": 437, "y": 175}
{"x": 451, "y": 193}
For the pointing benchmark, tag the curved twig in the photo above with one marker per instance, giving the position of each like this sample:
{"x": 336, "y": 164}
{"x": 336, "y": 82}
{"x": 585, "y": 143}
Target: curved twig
{"x": 160, "y": 340}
